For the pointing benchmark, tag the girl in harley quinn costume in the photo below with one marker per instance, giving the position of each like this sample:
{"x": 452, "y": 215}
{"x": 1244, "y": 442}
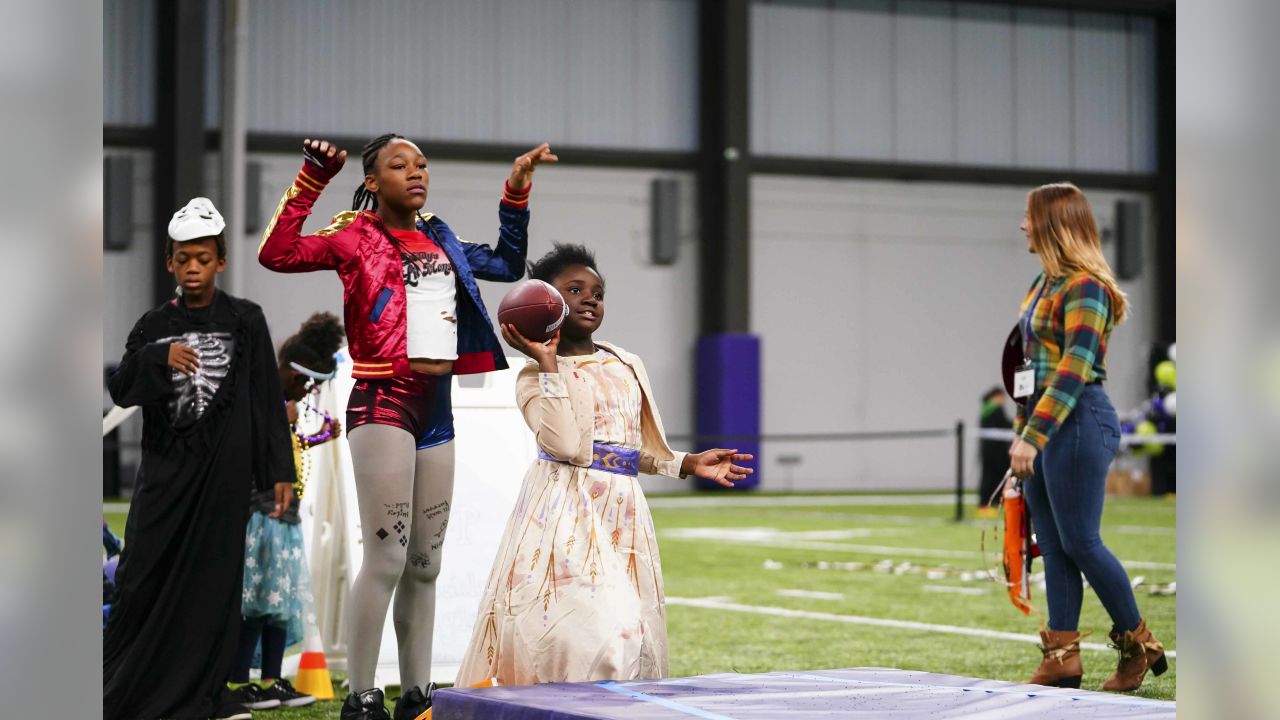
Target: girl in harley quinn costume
{"x": 414, "y": 318}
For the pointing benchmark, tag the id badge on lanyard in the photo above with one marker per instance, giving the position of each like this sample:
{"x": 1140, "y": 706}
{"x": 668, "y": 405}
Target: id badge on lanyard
{"x": 1024, "y": 380}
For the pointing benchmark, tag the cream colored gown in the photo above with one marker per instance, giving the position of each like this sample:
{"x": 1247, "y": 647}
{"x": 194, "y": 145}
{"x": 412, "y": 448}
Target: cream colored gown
{"x": 576, "y": 593}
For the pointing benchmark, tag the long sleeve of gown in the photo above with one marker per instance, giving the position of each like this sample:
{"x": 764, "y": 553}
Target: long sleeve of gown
{"x": 272, "y": 449}
{"x": 143, "y": 376}
{"x": 548, "y": 411}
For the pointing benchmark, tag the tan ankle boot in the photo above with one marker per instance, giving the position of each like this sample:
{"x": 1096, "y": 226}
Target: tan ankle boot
{"x": 1061, "y": 665}
{"x": 1139, "y": 652}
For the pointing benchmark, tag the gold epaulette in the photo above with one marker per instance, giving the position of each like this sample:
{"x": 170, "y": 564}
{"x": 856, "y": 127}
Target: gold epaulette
{"x": 340, "y": 221}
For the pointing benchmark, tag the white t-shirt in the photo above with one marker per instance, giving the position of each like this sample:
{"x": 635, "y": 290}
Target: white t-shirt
{"x": 431, "y": 301}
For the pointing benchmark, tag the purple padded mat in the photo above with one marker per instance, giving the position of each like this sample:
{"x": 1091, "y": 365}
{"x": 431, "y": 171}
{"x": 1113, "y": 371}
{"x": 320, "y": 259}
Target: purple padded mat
{"x": 825, "y": 694}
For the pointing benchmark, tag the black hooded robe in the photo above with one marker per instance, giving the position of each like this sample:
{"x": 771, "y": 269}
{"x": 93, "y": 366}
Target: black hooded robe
{"x": 207, "y": 441}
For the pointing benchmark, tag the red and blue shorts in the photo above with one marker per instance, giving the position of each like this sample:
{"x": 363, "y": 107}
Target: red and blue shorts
{"x": 419, "y": 404}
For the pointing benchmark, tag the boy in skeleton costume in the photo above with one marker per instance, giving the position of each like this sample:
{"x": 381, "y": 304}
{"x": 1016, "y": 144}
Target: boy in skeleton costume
{"x": 202, "y": 366}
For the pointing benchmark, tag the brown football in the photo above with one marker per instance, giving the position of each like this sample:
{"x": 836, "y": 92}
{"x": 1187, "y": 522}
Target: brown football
{"x": 535, "y": 308}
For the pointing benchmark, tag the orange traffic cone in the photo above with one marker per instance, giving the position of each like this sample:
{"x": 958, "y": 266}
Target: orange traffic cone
{"x": 313, "y": 672}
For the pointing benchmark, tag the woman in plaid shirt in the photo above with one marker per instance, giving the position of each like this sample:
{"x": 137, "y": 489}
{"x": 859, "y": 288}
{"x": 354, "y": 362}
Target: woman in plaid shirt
{"x": 1069, "y": 436}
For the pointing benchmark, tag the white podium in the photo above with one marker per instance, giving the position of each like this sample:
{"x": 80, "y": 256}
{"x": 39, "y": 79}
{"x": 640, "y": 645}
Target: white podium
{"x": 493, "y": 449}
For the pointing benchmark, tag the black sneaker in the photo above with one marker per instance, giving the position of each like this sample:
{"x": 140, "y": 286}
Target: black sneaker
{"x": 368, "y": 705}
{"x": 284, "y": 691}
{"x": 412, "y": 704}
{"x": 229, "y": 709}
{"x": 251, "y": 696}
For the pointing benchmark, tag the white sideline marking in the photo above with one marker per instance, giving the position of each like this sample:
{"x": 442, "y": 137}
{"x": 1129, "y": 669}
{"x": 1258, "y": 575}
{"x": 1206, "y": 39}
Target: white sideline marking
{"x": 807, "y": 500}
{"x": 954, "y": 589}
{"x": 784, "y": 540}
{"x": 812, "y": 594}
{"x": 1144, "y": 565}
{"x": 767, "y": 534}
{"x": 716, "y": 604}
{"x": 1140, "y": 529}
{"x": 877, "y": 518}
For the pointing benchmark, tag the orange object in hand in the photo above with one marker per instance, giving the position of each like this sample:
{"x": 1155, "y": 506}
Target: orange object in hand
{"x": 1018, "y": 551}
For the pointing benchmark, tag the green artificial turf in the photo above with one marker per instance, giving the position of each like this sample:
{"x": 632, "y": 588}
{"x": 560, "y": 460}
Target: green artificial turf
{"x": 770, "y": 555}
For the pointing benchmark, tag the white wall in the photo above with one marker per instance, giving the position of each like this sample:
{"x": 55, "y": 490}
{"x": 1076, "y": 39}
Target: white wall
{"x": 884, "y": 306}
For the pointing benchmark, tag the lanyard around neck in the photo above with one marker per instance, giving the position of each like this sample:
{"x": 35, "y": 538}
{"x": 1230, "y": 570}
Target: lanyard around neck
{"x": 1028, "y": 318}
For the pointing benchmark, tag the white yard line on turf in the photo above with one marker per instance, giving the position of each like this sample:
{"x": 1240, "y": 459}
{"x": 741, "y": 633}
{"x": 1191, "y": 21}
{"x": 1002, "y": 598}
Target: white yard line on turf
{"x": 937, "y": 521}
{"x": 768, "y": 534}
{"x": 955, "y": 589}
{"x": 1140, "y": 529}
{"x": 115, "y": 507}
{"x": 805, "y": 500}
{"x": 717, "y": 604}
{"x": 783, "y": 540}
{"x": 811, "y": 594}
{"x": 1144, "y": 565}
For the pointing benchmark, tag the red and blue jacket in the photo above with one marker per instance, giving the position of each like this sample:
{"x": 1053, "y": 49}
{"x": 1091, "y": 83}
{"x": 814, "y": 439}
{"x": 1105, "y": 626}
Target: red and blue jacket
{"x": 363, "y": 253}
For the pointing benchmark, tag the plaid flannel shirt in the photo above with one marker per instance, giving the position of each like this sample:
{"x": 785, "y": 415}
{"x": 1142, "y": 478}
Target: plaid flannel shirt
{"x": 1070, "y": 323}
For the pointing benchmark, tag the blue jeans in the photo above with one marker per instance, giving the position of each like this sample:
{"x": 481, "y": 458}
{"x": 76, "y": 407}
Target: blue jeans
{"x": 1065, "y": 499}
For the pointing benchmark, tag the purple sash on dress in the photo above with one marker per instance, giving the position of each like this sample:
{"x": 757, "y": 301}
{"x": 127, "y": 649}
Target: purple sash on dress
{"x": 609, "y": 458}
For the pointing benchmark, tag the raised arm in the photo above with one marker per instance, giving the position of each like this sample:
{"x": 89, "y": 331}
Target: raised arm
{"x": 544, "y": 399}
{"x": 505, "y": 262}
{"x": 284, "y": 248}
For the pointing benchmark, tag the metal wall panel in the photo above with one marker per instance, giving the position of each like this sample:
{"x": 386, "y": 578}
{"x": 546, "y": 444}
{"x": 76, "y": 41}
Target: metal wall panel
{"x": 601, "y": 44}
{"x": 1142, "y": 94}
{"x": 862, "y": 93}
{"x": 759, "y": 48}
{"x": 128, "y": 62}
{"x": 938, "y": 81}
{"x": 797, "y": 82}
{"x": 666, "y": 89}
{"x": 213, "y": 52}
{"x": 601, "y": 73}
{"x": 472, "y": 113}
{"x": 534, "y": 84}
{"x": 1100, "y": 92}
{"x": 924, "y": 81}
{"x": 1042, "y": 88}
{"x": 984, "y": 84}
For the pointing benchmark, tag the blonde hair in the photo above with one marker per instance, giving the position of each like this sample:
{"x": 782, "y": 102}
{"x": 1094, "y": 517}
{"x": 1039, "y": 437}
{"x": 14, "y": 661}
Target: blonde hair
{"x": 1065, "y": 236}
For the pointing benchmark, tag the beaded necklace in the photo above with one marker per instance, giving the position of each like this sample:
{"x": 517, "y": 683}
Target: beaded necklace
{"x": 302, "y": 442}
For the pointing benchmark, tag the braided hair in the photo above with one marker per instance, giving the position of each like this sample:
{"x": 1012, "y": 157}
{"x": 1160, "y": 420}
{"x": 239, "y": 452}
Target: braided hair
{"x": 369, "y": 155}
{"x": 315, "y": 343}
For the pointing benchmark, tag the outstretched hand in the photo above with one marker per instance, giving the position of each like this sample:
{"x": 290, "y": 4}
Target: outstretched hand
{"x": 522, "y": 170}
{"x": 324, "y": 157}
{"x": 542, "y": 353}
{"x": 717, "y": 465}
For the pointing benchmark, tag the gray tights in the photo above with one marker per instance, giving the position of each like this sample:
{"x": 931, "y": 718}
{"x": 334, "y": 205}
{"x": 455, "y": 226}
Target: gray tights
{"x": 404, "y": 497}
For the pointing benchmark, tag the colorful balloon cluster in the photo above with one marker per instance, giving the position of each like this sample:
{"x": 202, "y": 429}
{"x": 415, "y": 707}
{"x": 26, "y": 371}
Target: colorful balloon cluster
{"x": 1163, "y": 408}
